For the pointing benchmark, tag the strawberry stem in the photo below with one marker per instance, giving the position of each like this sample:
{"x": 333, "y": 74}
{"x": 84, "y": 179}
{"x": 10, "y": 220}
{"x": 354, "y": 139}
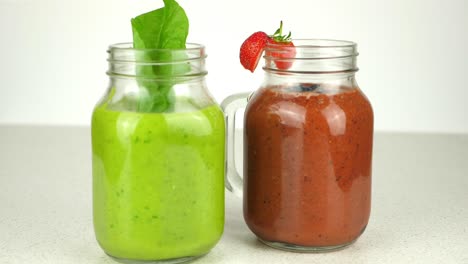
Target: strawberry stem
{"x": 278, "y": 35}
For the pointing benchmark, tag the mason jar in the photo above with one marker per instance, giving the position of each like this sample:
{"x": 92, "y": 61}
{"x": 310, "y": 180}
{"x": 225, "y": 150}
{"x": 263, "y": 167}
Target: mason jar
{"x": 308, "y": 134}
{"x": 158, "y": 140}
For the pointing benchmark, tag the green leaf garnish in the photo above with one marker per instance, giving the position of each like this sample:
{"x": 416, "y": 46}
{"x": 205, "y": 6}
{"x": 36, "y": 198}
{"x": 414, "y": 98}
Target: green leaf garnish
{"x": 163, "y": 28}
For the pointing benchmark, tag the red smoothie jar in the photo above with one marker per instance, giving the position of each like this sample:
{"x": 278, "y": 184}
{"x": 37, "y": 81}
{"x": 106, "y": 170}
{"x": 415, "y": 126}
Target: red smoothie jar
{"x": 308, "y": 133}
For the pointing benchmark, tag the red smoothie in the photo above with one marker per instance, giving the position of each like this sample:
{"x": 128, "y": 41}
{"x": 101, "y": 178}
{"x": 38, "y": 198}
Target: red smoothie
{"x": 307, "y": 167}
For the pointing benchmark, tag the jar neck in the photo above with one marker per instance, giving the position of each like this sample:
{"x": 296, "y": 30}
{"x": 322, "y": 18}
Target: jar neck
{"x": 157, "y": 64}
{"x": 301, "y": 82}
{"x": 311, "y": 65}
{"x": 312, "y": 56}
{"x": 156, "y": 80}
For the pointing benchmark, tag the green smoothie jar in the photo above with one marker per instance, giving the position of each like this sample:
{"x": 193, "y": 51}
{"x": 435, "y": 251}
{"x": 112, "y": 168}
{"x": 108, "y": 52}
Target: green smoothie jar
{"x": 158, "y": 157}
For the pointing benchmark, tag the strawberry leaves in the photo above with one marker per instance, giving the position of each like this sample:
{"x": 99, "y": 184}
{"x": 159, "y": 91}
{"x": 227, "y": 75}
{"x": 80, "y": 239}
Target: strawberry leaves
{"x": 278, "y": 35}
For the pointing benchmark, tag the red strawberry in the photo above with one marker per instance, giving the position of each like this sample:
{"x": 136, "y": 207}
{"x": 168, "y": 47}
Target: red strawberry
{"x": 282, "y": 47}
{"x": 252, "y": 49}
{"x": 285, "y": 50}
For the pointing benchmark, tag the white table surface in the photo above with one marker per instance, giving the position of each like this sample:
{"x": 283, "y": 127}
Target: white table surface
{"x": 419, "y": 211}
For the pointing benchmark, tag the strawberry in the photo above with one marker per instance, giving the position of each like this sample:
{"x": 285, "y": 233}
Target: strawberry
{"x": 252, "y": 49}
{"x": 281, "y": 47}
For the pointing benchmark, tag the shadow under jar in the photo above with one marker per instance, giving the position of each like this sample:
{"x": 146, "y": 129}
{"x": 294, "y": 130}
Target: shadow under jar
{"x": 308, "y": 133}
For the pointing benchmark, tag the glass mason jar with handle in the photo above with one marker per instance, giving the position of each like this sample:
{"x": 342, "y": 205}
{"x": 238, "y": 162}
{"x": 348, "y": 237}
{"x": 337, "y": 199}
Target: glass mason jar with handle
{"x": 158, "y": 141}
{"x": 308, "y": 134}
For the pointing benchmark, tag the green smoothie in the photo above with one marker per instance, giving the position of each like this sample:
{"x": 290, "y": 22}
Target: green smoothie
{"x": 158, "y": 182}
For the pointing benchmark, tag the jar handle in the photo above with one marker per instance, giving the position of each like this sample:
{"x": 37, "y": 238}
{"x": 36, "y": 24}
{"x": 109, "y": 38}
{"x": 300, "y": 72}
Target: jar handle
{"x": 230, "y": 105}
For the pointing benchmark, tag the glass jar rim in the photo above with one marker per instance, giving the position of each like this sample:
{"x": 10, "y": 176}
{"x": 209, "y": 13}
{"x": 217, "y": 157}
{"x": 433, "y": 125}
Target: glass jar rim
{"x": 124, "y": 60}
{"x": 314, "y": 49}
{"x": 128, "y": 46}
{"x": 323, "y": 43}
{"x": 124, "y": 52}
{"x": 311, "y": 56}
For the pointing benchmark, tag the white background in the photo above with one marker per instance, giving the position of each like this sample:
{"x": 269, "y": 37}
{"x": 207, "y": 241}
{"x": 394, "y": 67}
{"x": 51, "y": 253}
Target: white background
{"x": 414, "y": 53}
